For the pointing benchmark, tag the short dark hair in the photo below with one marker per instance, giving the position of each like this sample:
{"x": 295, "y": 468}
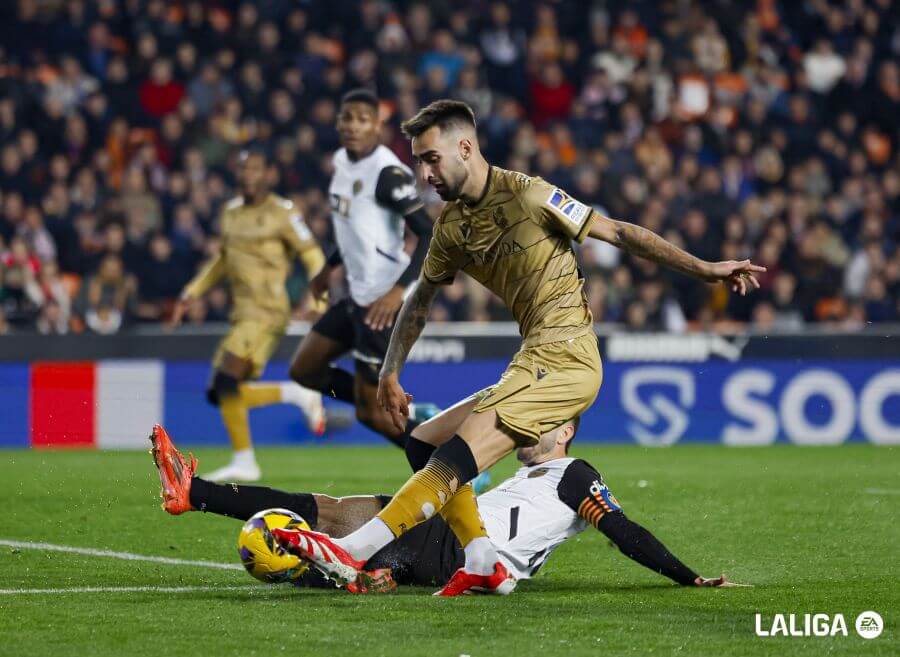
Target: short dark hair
{"x": 576, "y": 422}
{"x": 361, "y": 95}
{"x": 442, "y": 113}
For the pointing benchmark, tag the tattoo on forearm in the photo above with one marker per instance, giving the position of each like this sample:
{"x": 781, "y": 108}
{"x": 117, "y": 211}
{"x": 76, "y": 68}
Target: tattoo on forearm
{"x": 639, "y": 241}
{"x": 410, "y": 322}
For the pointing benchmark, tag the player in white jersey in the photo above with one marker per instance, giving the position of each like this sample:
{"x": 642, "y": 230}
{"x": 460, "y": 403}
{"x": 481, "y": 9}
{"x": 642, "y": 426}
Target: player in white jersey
{"x": 373, "y": 199}
{"x": 551, "y": 498}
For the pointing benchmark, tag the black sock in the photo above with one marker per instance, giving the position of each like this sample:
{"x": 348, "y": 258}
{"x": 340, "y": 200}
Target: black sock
{"x": 339, "y": 385}
{"x": 457, "y": 455}
{"x": 241, "y": 502}
{"x": 418, "y": 453}
{"x": 402, "y": 440}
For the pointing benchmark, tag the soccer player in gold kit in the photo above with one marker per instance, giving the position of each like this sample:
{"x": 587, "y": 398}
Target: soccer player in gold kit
{"x": 262, "y": 233}
{"x": 512, "y": 233}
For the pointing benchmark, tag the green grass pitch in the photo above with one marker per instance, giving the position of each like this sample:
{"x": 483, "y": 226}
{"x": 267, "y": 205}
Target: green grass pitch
{"x": 813, "y": 529}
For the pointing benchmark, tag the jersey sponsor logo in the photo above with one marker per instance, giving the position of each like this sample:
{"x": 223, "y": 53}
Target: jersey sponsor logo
{"x": 604, "y": 496}
{"x": 541, "y": 373}
{"x": 500, "y": 218}
{"x": 300, "y": 227}
{"x": 339, "y": 205}
{"x": 500, "y": 250}
{"x": 567, "y": 206}
{"x": 407, "y": 191}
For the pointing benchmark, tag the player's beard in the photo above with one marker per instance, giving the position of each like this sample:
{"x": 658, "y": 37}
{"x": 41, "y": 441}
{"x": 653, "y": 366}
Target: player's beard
{"x": 452, "y": 191}
{"x": 529, "y": 455}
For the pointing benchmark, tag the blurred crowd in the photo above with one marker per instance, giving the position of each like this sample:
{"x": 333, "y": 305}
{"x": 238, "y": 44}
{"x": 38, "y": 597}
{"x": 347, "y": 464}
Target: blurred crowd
{"x": 734, "y": 128}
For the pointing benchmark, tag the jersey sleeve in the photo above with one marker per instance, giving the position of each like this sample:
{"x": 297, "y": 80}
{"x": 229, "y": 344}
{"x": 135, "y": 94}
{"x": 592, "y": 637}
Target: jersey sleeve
{"x": 296, "y": 233}
{"x": 396, "y": 190}
{"x": 582, "y": 490}
{"x": 558, "y": 211}
{"x": 439, "y": 267}
{"x": 210, "y": 273}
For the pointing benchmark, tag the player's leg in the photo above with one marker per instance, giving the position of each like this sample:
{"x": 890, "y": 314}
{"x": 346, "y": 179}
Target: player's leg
{"x": 432, "y": 433}
{"x": 224, "y": 392}
{"x": 267, "y": 393}
{"x": 336, "y": 516}
{"x": 330, "y": 337}
{"x": 255, "y": 394}
{"x": 452, "y": 465}
{"x": 183, "y": 491}
{"x": 370, "y": 413}
{"x": 369, "y": 348}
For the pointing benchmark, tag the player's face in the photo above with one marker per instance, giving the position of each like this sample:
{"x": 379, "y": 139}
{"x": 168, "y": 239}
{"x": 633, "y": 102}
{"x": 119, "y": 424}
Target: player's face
{"x": 252, "y": 174}
{"x": 439, "y": 162}
{"x": 358, "y": 128}
{"x": 551, "y": 445}
{"x": 538, "y": 452}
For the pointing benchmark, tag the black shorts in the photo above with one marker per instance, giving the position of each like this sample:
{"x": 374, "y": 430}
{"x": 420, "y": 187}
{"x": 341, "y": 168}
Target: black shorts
{"x": 426, "y": 555}
{"x": 343, "y": 322}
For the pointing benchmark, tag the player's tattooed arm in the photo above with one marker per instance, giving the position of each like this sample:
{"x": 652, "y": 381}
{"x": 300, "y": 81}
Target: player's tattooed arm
{"x": 410, "y": 321}
{"x": 639, "y": 241}
{"x": 740, "y": 275}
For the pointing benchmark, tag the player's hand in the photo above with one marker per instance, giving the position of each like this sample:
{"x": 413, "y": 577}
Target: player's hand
{"x": 381, "y": 314}
{"x": 738, "y": 274}
{"x": 720, "y": 582}
{"x": 319, "y": 284}
{"x": 392, "y": 398}
{"x": 183, "y": 304}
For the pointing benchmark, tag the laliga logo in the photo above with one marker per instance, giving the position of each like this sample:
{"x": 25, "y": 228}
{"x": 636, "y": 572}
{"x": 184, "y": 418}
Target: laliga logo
{"x": 869, "y": 625}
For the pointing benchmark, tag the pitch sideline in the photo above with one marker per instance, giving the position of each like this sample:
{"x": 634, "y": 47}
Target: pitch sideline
{"x": 128, "y": 589}
{"x": 127, "y": 556}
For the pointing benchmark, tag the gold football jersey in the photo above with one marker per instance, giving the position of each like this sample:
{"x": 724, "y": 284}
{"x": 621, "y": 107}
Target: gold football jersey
{"x": 259, "y": 243}
{"x": 517, "y": 241}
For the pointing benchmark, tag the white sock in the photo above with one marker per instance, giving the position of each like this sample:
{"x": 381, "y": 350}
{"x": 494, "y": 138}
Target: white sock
{"x": 480, "y": 556}
{"x": 244, "y": 458}
{"x": 294, "y": 393}
{"x": 367, "y": 540}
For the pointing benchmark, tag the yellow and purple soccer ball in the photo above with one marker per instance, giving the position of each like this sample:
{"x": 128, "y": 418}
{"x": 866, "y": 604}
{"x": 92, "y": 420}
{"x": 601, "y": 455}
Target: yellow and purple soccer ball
{"x": 261, "y": 554}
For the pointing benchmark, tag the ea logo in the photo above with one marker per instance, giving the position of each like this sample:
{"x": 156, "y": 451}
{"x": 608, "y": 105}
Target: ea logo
{"x": 869, "y": 624}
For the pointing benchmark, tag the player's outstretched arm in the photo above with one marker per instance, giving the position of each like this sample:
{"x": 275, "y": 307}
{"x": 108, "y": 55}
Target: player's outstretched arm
{"x": 637, "y": 240}
{"x": 582, "y": 489}
{"x": 210, "y": 274}
{"x": 410, "y": 322}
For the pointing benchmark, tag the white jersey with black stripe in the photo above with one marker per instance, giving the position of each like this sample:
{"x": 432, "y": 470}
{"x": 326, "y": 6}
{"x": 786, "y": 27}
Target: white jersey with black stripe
{"x": 526, "y": 519}
{"x": 369, "y": 234}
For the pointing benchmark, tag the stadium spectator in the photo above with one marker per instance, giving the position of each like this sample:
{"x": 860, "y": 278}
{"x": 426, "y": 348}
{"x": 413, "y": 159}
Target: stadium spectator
{"x": 731, "y": 128}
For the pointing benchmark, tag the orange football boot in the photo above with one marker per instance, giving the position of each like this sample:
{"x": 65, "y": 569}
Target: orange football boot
{"x": 174, "y": 472}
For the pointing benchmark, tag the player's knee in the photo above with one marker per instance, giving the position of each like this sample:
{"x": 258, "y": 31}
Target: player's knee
{"x": 305, "y": 376}
{"x": 221, "y": 386}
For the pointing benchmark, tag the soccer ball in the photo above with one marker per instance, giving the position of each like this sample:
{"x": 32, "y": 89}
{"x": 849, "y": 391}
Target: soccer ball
{"x": 261, "y": 554}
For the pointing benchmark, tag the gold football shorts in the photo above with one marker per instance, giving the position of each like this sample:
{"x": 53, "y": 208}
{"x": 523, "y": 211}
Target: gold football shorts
{"x": 251, "y": 341}
{"x": 545, "y": 386}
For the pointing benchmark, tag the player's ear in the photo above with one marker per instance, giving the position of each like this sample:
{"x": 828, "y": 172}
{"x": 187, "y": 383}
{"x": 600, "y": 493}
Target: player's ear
{"x": 465, "y": 148}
